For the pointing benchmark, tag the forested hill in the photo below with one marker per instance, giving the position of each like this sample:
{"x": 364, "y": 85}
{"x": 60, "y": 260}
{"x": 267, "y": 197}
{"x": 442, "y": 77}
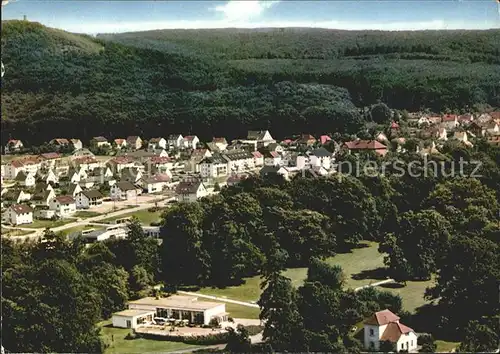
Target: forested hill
{"x": 224, "y": 82}
{"x": 313, "y": 43}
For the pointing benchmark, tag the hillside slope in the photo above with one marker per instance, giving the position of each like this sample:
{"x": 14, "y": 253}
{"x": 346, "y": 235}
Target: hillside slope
{"x": 120, "y": 90}
{"x": 216, "y": 82}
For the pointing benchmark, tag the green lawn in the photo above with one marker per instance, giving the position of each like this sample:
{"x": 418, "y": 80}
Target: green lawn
{"x": 412, "y": 294}
{"x": 86, "y": 214}
{"x": 115, "y": 338}
{"x": 77, "y": 229}
{"x": 37, "y": 224}
{"x": 144, "y": 217}
{"x": 14, "y": 232}
{"x": 445, "y": 347}
{"x": 362, "y": 266}
{"x": 353, "y": 263}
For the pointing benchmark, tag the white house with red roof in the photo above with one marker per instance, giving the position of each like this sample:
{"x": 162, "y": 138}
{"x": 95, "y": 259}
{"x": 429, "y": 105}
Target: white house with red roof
{"x": 384, "y": 326}
{"x": 450, "y": 121}
{"x": 19, "y": 214}
{"x": 156, "y": 183}
{"x": 221, "y": 143}
{"x": 12, "y": 168}
{"x": 64, "y": 205}
{"x": 324, "y": 139}
{"x": 13, "y": 145}
{"x": 191, "y": 142}
{"x": 120, "y": 162}
{"x": 258, "y": 159}
{"x": 157, "y": 143}
{"x": 59, "y": 142}
{"x": 356, "y": 146}
{"x": 120, "y": 143}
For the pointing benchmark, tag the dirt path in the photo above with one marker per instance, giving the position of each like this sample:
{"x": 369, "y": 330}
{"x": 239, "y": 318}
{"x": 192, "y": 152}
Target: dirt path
{"x": 223, "y": 299}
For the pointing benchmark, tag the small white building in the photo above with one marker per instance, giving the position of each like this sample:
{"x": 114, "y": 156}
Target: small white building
{"x": 157, "y": 143}
{"x": 64, "y": 205}
{"x": 100, "y": 141}
{"x": 133, "y": 318}
{"x": 191, "y": 142}
{"x": 74, "y": 189}
{"x": 384, "y": 326}
{"x": 18, "y": 214}
{"x": 321, "y": 158}
{"x": 190, "y": 191}
{"x": 214, "y": 166}
{"x": 175, "y": 141}
{"x": 124, "y": 191}
{"x": 25, "y": 179}
{"x": 77, "y": 144}
{"x": 12, "y": 168}
{"x": 88, "y": 198}
{"x": 134, "y": 142}
{"x": 155, "y": 184}
{"x": 220, "y": 143}
{"x": 13, "y": 145}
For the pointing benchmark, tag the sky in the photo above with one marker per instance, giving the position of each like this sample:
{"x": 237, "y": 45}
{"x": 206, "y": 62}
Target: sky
{"x": 92, "y": 17}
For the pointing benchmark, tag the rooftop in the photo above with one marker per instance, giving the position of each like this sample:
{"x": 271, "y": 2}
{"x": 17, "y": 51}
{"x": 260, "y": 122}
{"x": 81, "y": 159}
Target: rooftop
{"x": 178, "y": 302}
{"x": 132, "y": 313}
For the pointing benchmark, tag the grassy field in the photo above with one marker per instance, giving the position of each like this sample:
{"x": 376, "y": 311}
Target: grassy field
{"x": 445, "y": 347}
{"x": 14, "y": 232}
{"x": 77, "y": 229}
{"x": 86, "y": 214}
{"x": 115, "y": 338}
{"x": 144, "y": 217}
{"x": 362, "y": 266}
{"x": 37, "y": 224}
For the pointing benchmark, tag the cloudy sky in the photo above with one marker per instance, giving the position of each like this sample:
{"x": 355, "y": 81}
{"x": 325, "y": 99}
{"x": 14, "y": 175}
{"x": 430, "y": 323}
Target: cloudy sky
{"x": 91, "y": 16}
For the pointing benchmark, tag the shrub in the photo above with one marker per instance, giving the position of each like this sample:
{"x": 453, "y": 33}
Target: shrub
{"x": 253, "y": 330}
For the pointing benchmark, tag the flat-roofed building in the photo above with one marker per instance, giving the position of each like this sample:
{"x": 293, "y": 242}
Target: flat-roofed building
{"x": 178, "y": 307}
{"x": 132, "y": 318}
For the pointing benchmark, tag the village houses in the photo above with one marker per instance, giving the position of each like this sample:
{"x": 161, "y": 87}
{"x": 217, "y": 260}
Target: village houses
{"x": 63, "y": 205}
{"x": 357, "y": 146}
{"x": 157, "y": 143}
{"x": 19, "y": 214}
{"x": 13, "y": 146}
{"x": 120, "y": 143}
{"x": 88, "y": 198}
{"x": 175, "y": 141}
{"x": 134, "y": 142}
{"x": 220, "y": 143}
{"x": 76, "y": 143}
{"x": 124, "y": 191}
{"x": 25, "y": 179}
{"x": 100, "y": 142}
{"x": 385, "y": 326}
{"x": 190, "y": 191}
{"x": 191, "y": 142}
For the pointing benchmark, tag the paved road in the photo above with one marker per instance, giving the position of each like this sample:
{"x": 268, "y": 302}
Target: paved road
{"x": 38, "y": 232}
{"x": 223, "y": 299}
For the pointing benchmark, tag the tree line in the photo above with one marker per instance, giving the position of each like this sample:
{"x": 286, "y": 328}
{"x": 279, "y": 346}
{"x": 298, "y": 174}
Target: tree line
{"x": 60, "y": 84}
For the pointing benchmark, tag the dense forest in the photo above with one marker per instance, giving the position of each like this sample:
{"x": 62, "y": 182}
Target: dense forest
{"x": 427, "y": 226}
{"x": 224, "y": 82}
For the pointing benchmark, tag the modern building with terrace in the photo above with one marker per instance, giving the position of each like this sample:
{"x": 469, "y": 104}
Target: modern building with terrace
{"x": 175, "y": 307}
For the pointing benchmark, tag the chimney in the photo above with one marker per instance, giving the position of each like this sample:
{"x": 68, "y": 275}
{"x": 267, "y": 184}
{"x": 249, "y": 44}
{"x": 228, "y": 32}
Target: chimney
{"x": 25, "y": 18}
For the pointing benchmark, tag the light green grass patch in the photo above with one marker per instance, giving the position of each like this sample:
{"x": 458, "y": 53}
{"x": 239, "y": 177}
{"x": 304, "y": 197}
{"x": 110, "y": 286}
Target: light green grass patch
{"x": 115, "y": 338}
{"x": 38, "y": 224}
{"x": 144, "y": 217}
{"x": 445, "y": 347}
{"x": 86, "y": 214}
